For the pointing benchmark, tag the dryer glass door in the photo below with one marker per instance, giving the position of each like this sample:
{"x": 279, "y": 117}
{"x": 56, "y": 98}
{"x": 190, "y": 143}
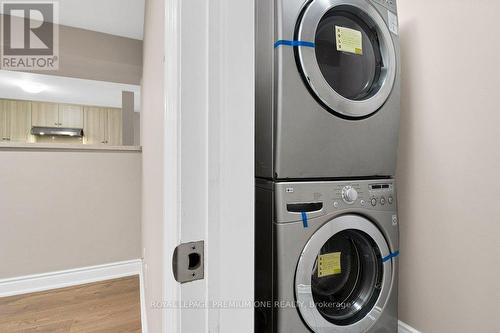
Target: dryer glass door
{"x": 352, "y": 67}
{"x": 348, "y": 54}
{"x": 341, "y": 279}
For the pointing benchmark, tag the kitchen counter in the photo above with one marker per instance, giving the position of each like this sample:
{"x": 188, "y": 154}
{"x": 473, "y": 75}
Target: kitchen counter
{"x": 65, "y": 147}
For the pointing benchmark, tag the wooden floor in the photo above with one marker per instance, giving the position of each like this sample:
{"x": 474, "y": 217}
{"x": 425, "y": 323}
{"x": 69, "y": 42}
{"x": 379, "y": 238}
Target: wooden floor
{"x": 108, "y": 306}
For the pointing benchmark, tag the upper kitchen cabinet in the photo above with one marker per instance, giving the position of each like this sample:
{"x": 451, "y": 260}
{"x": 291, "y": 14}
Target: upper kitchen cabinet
{"x": 15, "y": 120}
{"x": 57, "y": 115}
{"x": 3, "y": 122}
{"x": 94, "y": 125}
{"x": 70, "y": 116}
{"x": 114, "y": 127}
{"x": 103, "y": 126}
{"x": 44, "y": 114}
{"x": 20, "y": 120}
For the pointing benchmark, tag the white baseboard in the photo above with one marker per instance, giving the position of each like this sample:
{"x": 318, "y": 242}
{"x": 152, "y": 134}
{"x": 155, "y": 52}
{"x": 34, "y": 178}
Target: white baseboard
{"x": 405, "y": 328}
{"x": 54, "y": 280}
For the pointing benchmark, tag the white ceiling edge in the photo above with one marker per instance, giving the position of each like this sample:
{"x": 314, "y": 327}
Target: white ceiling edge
{"x": 60, "y": 89}
{"x": 116, "y": 17}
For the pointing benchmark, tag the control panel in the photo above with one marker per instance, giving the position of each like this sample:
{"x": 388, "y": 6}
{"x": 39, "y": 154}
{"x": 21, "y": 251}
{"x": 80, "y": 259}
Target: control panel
{"x": 372, "y": 195}
{"x": 321, "y": 198}
{"x": 381, "y": 194}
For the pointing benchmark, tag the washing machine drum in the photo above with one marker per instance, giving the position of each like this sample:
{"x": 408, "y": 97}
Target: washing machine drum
{"x": 348, "y": 61}
{"x": 341, "y": 280}
{"x": 348, "y": 271}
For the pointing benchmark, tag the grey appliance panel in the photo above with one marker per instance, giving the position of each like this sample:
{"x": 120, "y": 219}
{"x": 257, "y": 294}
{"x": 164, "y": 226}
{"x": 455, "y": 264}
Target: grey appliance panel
{"x": 313, "y": 143}
{"x": 289, "y": 237}
{"x": 263, "y": 292}
{"x": 297, "y": 138}
{"x": 264, "y": 88}
{"x": 287, "y": 252}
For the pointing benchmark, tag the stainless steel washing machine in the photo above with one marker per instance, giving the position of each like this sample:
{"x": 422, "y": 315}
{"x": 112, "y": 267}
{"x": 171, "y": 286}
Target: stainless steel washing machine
{"x": 326, "y": 257}
{"x": 327, "y": 88}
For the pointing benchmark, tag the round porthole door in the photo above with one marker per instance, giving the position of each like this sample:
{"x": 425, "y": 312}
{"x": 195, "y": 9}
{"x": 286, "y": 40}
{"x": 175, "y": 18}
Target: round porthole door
{"x": 342, "y": 283}
{"x": 352, "y": 67}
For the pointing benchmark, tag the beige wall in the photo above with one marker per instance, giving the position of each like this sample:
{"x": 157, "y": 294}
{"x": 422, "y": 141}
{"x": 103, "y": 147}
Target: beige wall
{"x": 62, "y": 210}
{"x": 449, "y": 160}
{"x": 152, "y": 136}
{"x": 98, "y": 56}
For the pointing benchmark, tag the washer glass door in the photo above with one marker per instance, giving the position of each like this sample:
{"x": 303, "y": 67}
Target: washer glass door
{"x": 346, "y": 279}
{"x": 352, "y": 67}
{"x": 342, "y": 280}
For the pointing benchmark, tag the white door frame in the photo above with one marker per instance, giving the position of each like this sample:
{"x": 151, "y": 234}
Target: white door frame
{"x": 171, "y": 237}
{"x": 209, "y": 160}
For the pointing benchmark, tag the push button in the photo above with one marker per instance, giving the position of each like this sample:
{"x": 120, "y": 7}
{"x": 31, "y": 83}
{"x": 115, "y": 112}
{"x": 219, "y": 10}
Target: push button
{"x": 374, "y": 202}
{"x": 390, "y": 200}
{"x": 382, "y": 201}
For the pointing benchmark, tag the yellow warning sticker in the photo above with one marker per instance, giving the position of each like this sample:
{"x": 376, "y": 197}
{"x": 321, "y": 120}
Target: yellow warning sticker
{"x": 329, "y": 264}
{"x": 349, "y": 40}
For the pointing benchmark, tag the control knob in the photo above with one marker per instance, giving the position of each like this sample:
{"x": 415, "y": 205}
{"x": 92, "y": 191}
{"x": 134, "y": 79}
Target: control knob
{"x": 349, "y": 194}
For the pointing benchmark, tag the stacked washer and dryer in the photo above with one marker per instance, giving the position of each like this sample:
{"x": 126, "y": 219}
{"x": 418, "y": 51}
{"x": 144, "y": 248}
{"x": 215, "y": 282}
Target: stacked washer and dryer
{"x": 327, "y": 122}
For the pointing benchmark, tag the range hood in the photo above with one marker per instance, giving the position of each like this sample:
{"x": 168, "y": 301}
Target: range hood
{"x": 57, "y": 131}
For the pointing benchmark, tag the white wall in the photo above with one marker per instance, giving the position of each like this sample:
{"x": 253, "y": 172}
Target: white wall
{"x": 449, "y": 159}
{"x": 67, "y": 209}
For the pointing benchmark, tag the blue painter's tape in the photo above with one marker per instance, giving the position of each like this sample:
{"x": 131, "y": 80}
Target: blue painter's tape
{"x": 390, "y": 256}
{"x": 293, "y": 43}
{"x": 304, "y": 219}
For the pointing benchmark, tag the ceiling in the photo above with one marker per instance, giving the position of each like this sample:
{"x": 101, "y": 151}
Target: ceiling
{"x": 116, "y": 17}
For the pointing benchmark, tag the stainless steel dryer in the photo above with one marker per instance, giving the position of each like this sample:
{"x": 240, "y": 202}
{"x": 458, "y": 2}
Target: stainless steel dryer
{"x": 327, "y": 88}
{"x": 326, "y": 257}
